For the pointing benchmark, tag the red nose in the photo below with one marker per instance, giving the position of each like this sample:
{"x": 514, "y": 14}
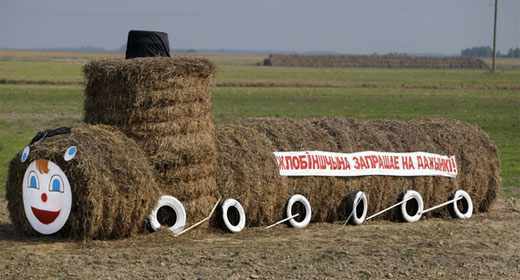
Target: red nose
{"x": 44, "y": 197}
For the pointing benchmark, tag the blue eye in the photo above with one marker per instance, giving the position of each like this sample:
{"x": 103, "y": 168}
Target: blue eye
{"x": 33, "y": 181}
{"x": 56, "y": 184}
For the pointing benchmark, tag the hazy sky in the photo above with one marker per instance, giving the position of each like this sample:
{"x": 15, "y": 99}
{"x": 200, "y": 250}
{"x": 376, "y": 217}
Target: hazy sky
{"x": 350, "y": 26}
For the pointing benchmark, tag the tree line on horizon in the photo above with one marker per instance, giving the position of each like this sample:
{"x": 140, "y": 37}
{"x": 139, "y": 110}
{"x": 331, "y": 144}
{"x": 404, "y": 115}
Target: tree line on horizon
{"x": 486, "y": 51}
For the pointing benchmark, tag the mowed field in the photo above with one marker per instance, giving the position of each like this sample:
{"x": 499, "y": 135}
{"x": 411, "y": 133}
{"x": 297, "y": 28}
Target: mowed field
{"x": 44, "y": 90}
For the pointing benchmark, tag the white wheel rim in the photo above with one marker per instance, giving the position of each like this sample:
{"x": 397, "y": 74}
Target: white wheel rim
{"x": 408, "y": 196}
{"x": 360, "y": 198}
{"x": 175, "y": 205}
{"x": 299, "y": 198}
{"x": 242, "y": 220}
{"x": 467, "y": 198}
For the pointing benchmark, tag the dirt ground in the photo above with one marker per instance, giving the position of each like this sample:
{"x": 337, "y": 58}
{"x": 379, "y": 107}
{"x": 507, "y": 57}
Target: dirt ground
{"x": 484, "y": 247}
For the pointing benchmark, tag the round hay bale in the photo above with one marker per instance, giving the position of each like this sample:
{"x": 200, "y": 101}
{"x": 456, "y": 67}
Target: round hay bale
{"x": 111, "y": 184}
{"x": 179, "y": 150}
{"x": 163, "y": 104}
{"x": 248, "y": 172}
{"x": 126, "y": 93}
{"x": 167, "y": 128}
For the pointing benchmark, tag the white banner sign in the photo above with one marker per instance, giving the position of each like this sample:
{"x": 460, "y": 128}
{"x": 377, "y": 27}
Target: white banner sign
{"x": 318, "y": 163}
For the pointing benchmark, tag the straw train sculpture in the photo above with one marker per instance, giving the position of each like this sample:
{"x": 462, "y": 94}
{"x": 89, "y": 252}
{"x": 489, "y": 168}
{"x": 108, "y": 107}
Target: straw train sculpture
{"x": 149, "y": 156}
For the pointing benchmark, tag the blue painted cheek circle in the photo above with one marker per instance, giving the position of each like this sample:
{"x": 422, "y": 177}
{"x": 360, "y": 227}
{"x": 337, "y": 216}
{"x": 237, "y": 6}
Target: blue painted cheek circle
{"x": 25, "y": 154}
{"x": 70, "y": 153}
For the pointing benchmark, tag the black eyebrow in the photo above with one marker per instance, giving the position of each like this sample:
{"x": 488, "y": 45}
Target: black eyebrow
{"x": 42, "y": 135}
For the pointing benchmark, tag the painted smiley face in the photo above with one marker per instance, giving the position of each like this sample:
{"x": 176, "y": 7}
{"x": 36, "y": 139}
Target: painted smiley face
{"x": 47, "y": 197}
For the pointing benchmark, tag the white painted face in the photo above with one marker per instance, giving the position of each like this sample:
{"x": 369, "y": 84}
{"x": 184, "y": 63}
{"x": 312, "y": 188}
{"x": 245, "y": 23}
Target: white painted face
{"x": 47, "y": 198}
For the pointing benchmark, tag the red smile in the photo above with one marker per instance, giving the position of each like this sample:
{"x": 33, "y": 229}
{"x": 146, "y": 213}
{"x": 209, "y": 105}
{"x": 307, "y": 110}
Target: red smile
{"x": 44, "y": 216}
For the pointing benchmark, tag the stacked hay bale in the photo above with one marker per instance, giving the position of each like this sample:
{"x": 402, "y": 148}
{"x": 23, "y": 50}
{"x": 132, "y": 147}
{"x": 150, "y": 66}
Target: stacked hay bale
{"x": 248, "y": 172}
{"x": 164, "y": 104}
{"x": 112, "y": 185}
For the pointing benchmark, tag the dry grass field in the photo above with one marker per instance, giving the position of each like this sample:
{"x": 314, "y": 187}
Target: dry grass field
{"x": 44, "y": 90}
{"x": 484, "y": 247}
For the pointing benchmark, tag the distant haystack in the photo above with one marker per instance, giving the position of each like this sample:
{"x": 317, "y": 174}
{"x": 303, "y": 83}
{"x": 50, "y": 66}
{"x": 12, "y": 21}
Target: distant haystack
{"x": 376, "y": 61}
{"x": 164, "y": 104}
